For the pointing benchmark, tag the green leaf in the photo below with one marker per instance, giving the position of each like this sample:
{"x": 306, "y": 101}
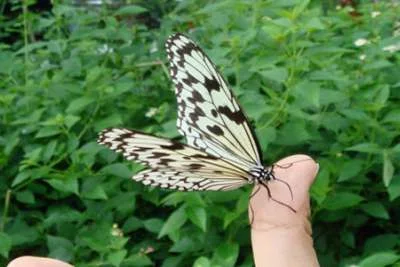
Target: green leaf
{"x": 25, "y": 197}
{"x": 134, "y": 223}
{"x": 380, "y": 259}
{"x": 5, "y": 244}
{"x": 174, "y": 222}
{"x": 375, "y": 209}
{"x": 225, "y": 255}
{"x": 293, "y": 133}
{"x": 198, "y": 216}
{"x": 186, "y": 244}
{"x": 60, "y": 248}
{"x": 110, "y": 121}
{"x": 394, "y": 188}
{"x": 139, "y": 259}
{"x": 377, "y": 64}
{"x": 314, "y": 24}
{"x": 117, "y": 169}
{"x": 67, "y": 185}
{"x": 70, "y": 120}
{"x": 94, "y": 192}
{"x": 366, "y": 148}
{"x": 116, "y": 258}
{"x": 49, "y": 150}
{"x": 392, "y": 116}
{"x": 341, "y": 200}
{"x": 388, "y": 168}
{"x": 72, "y": 66}
{"x": 381, "y": 243}
{"x": 79, "y": 104}
{"x": 153, "y": 225}
{"x": 277, "y": 74}
{"x": 48, "y": 131}
{"x": 21, "y": 177}
{"x": 202, "y": 262}
{"x": 320, "y": 188}
{"x": 130, "y": 10}
{"x": 307, "y": 94}
{"x": 350, "y": 169}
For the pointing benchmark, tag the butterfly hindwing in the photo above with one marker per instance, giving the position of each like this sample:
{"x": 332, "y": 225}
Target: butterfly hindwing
{"x": 208, "y": 114}
{"x": 172, "y": 164}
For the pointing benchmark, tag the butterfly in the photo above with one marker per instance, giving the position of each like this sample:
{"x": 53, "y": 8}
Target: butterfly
{"x": 222, "y": 152}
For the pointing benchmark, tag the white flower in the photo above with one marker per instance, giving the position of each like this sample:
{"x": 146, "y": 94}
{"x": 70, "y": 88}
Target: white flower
{"x": 151, "y": 112}
{"x": 153, "y": 47}
{"x": 374, "y": 14}
{"x": 392, "y": 48}
{"x": 362, "y": 57}
{"x": 105, "y": 49}
{"x": 361, "y": 42}
{"x": 116, "y": 231}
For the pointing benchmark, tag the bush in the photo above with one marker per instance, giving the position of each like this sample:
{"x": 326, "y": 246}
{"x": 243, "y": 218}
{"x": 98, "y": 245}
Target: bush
{"x": 325, "y": 85}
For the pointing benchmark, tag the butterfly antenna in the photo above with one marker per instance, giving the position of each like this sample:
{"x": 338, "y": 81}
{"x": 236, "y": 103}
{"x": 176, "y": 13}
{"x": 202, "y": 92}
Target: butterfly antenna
{"x": 277, "y": 201}
{"x": 290, "y": 164}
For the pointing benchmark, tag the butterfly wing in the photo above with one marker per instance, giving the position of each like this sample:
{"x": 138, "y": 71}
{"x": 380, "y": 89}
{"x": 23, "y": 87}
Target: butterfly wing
{"x": 172, "y": 164}
{"x": 208, "y": 114}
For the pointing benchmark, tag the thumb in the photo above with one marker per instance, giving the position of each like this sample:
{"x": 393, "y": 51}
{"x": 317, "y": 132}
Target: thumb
{"x": 273, "y": 206}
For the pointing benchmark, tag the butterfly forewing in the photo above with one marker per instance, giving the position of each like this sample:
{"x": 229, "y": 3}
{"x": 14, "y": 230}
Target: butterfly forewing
{"x": 173, "y": 165}
{"x": 208, "y": 114}
{"x": 221, "y": 154}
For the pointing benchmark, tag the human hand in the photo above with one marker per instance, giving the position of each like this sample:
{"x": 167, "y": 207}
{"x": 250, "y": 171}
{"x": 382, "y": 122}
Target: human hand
{"x": 30, "y": 261}
{"x": 281, "y": 237}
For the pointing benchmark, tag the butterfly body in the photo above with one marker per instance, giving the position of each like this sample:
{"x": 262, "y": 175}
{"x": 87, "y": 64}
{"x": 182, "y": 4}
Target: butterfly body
{"x": 261, "y": 174}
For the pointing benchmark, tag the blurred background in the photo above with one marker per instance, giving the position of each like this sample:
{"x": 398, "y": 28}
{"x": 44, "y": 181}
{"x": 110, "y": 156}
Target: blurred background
{"x": 314, "y": 77}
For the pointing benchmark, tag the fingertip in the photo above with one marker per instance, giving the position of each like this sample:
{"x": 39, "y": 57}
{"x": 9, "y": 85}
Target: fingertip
{"x": 31, "y": 261}
{"x": 299, "y": 164}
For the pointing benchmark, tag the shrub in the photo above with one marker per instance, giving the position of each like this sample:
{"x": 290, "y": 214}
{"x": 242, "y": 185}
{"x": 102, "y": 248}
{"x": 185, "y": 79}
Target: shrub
{"x": 325, "y": 85}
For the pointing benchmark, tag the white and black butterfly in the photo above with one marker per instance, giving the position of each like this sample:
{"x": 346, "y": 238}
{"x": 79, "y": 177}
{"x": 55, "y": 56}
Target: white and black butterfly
{"x": 222, "y": 152}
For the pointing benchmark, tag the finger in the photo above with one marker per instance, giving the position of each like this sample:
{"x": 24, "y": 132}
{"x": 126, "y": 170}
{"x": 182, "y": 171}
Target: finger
{"x": 30, "y": 261}
{"x": 298, "y": 171}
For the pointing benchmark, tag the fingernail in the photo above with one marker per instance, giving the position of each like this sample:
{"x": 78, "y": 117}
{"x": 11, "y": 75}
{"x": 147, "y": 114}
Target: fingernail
{"x": 317, "y": 168}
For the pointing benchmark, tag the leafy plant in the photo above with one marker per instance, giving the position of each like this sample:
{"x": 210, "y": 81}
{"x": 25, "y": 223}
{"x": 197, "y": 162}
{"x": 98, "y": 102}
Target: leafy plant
{"x": 325, "y": 85}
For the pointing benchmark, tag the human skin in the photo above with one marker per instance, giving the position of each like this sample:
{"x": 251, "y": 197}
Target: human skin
{"x": 280, "y": 237}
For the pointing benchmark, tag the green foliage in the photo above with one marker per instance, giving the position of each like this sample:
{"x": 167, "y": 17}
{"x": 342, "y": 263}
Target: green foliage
{"x": 325, "y": 85}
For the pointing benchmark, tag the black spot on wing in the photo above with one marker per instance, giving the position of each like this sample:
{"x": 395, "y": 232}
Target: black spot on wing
{"x": 236, "y": 116}
{"x": 189, "y": 80}
{"x": 195, "y": 166}
{"x": 166, "y": 161}
{"x": 212, "y": 84}
{"x": 173, "y": 146}
{"x": 196, "y": 97}
{"x": 215, "y": 130}
{"x": 194, "y": 116}
{"x": 157, "y": 155}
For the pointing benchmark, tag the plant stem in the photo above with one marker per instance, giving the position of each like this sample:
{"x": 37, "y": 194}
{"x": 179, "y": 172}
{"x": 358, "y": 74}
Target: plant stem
{"x": 25, "y": 16}
{"x": 5, "y": 211}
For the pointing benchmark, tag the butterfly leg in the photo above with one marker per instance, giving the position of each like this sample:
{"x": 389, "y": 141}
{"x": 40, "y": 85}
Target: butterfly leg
{"x": 251, "y": 207}
{"x": 279, "y": 180}
{"x": 288, "y": 186}
{"x": 273, "y": 199}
